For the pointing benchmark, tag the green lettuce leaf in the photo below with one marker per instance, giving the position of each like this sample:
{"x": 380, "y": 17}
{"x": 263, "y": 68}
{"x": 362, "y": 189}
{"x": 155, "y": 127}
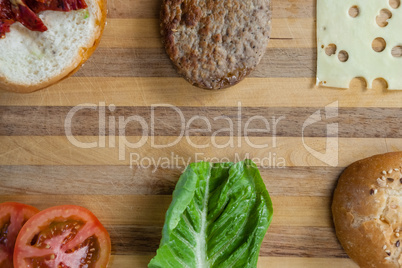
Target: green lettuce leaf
{"x": 218, "y": 218}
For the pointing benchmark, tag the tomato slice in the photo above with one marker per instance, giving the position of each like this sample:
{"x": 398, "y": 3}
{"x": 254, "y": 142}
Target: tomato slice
{"x": 62, "y": 237}
{"x": 12, "y": 217}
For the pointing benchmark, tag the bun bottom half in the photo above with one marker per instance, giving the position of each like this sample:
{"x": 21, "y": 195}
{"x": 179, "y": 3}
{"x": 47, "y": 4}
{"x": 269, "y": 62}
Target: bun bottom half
{"x": 43, "y": 60}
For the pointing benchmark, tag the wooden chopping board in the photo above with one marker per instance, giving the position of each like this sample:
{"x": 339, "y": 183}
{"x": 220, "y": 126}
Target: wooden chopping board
{"x": 130, "y": 75}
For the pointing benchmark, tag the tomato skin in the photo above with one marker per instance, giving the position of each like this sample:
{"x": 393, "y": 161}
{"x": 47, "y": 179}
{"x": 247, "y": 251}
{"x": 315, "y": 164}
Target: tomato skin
{"x": 15, "y": 214}
{"x": 43, "y": 222}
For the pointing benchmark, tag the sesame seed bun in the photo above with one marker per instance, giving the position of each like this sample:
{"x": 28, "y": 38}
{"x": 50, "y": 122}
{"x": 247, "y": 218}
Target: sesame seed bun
{"x": 367, "y": 210}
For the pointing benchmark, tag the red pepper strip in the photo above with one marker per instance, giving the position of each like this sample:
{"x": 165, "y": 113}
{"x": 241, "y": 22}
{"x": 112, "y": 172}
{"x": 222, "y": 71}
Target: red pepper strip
{"x": 26, "y": 16}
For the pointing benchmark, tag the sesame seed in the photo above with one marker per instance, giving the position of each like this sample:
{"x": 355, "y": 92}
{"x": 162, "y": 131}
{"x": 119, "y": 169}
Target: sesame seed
{"x": 390, "y": 179}
{"x": 390, "y": 171}
{"x": 375, "y": 191}
{"x": 371, "y": 191}
{"x": 397, "y": 244}
{"x": 383, "y": 178}
{"x": 396, "y": 169}
{"x": 382, "y": 182}
{"x": 388, "y": 252}
{"x": 384, "y": 172}
{"x": 397, "y": 234}
{"x": 384, "y": 247}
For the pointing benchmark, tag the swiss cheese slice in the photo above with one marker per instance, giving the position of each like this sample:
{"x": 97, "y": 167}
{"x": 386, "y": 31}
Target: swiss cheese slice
{"x": 353, "y": 36}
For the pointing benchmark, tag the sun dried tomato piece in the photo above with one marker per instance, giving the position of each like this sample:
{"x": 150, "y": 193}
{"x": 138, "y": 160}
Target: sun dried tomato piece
{"x": 26, "y": 16}
{"x": 56, "y": 5}
{"x": 6, "y": 17}
{"x": 4, "y": 28}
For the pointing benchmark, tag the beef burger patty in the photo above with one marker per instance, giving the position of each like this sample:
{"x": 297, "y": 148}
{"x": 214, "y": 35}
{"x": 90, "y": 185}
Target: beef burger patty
{"x": 215, "y": 43}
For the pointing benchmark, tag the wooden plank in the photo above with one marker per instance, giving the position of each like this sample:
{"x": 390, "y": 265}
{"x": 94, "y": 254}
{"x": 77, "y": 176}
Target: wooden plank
{"x": 145, "y": 33}
{"x": 294, "y": 262}
{"x": 280, "y": 241}
{"x": 282, "y": 122}
{"x": 115, "y": 180}
{"x": 129, "y": 261}
{"x": 134, "y": 33}
{"x": 149, "y": 210}
{"x": 272, "y": 92}
{"x": 288, "y": 151}
{"x": 308, "y": 242}
{"x": 393, "y": 144}
{"x": 151, "y": 9}
{"x": 154, "y": 62}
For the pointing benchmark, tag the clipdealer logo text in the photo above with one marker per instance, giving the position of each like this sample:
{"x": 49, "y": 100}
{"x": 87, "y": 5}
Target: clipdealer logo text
{"x": 236, "y": 131}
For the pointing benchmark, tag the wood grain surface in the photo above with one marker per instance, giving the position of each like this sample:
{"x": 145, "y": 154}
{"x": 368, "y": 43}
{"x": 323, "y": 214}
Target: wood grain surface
{"x": 130, "y": 75}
